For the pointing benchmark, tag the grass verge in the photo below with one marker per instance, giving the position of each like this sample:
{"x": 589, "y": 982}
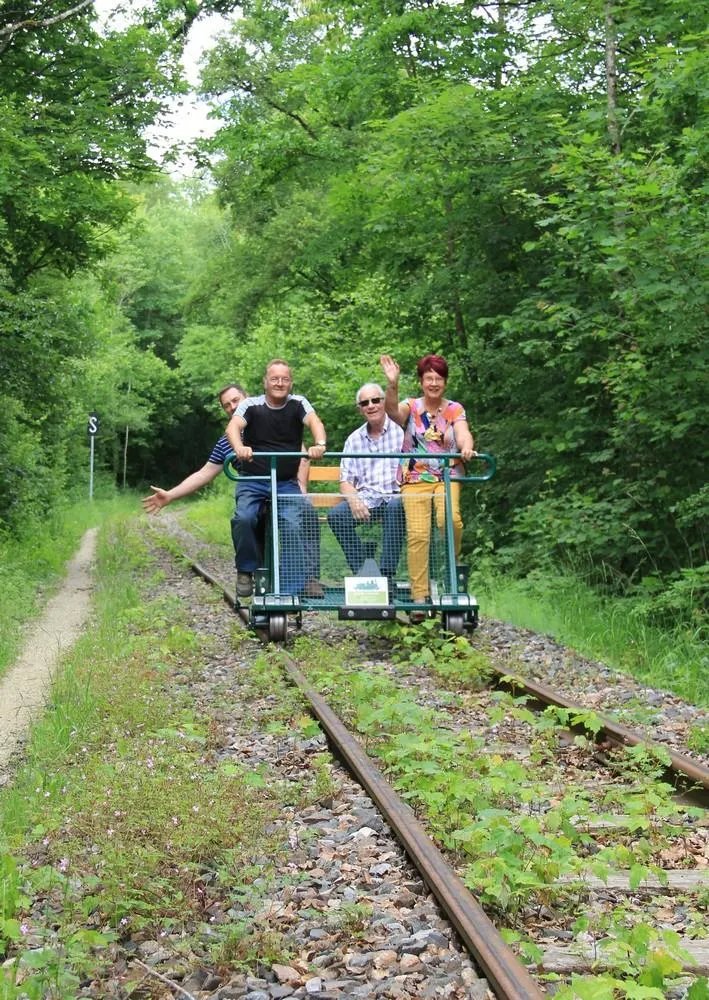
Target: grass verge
{"x": 208, "y": 518}
{"x": 123, "y": 824}
{"x": 607, "y": 629}
{"x": 31, "y": 567}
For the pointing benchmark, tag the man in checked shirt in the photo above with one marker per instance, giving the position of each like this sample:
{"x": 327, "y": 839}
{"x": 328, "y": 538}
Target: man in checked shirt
{"x": 369, "y": 485}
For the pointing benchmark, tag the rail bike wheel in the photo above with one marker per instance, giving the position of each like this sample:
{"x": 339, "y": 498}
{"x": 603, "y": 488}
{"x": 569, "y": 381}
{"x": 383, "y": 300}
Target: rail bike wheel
{"x": 277, "y": 628}
{"x": 454, "y": 622}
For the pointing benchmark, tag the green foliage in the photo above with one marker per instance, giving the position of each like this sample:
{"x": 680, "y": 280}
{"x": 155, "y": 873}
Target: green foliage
{"x": 406, "y": 178}
{"x": 123, "y": 830}
{"x": 698, "y": 739}
{"x": 617, "y": 630}
{"x": 74, "y": 106}
{"x": 353, "y": 918}
{"x": 486, "y": 807}
{"x": 425, "y": 180}
{"x": 57, "y": 200}
{"x": 451, "y": 657}
{"x": 248, "y": 948}
{"x": 699, "y": 990}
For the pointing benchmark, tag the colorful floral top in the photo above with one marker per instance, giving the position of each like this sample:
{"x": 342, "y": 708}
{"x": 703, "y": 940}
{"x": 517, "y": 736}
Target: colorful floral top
{"x": 429, "y": 433}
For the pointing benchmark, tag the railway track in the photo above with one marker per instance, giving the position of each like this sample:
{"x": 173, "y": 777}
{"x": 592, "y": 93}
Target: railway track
{"x": 508, "y": 978}
{"x": 688, "y": 775}
{"x": 505, "y": 974}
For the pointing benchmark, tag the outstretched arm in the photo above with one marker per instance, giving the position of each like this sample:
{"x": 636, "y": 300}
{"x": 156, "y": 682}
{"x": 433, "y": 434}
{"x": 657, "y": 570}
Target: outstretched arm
{"x": 160, "y": 498}
{"x": 396, "y": 411}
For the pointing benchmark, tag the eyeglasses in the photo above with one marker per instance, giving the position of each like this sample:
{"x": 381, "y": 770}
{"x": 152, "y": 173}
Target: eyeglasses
{"x": 284, "y": 379}
{"x": 374, "y": 400}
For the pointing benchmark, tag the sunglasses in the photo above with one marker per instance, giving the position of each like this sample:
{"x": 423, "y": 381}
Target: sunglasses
{"x": 374, "y": 400}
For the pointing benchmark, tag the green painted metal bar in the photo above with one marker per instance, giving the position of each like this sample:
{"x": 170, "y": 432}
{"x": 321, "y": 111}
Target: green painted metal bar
{"x": 450, "y": 537}
{"x": 276, "y": 549}
{"x": 230, "y": 461}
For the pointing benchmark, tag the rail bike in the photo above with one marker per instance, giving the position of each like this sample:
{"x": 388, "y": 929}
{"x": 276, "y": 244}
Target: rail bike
{"x": 318, "y": 558}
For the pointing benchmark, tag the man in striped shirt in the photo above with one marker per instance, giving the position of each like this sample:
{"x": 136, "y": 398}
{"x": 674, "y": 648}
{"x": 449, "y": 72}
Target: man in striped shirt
{"x": 229, "y": 398}
{"x": 369, "y": 485}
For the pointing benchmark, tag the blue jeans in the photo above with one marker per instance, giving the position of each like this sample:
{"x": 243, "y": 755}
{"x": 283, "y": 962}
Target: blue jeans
{"x": 250, "y": 500}
{"x": 311, "y": 538}
{"x": 260, "y": 533}
{"x": 344, "y": 528}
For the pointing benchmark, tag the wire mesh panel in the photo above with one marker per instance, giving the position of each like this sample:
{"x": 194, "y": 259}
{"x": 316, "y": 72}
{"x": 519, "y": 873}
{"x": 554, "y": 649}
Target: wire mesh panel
{"x": 320, "y": 546}
{"x": 430, "y": 552}
{"x": 367, "y": 540}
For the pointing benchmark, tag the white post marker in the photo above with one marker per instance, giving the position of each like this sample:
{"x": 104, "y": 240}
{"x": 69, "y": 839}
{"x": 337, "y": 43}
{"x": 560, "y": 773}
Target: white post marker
{"x": 92, "y": 431}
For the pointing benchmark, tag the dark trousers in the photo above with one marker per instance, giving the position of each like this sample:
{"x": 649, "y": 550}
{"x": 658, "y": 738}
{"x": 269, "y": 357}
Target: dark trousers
{"x": 250, "y": 500}
{"x": 344, "y": 528}
{"x": 311, "y": 538}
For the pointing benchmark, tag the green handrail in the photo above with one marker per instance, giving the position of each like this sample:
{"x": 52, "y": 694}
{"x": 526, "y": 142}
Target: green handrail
{"x": 230, "y": 461}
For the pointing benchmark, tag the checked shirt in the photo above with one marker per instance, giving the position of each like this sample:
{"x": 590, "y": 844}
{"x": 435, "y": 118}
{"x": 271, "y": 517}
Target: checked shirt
{"x": 374, "y": 478}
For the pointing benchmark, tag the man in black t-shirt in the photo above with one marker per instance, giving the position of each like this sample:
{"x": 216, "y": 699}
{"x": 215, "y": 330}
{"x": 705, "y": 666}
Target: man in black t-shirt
{"x": 272, "y": 422}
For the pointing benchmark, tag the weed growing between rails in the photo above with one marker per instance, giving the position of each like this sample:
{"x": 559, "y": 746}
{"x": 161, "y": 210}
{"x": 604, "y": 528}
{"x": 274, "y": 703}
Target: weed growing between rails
{"x": 451, "y": 657}
{"x": 618, "y": 631}
{"x": 123, "y": 816}
{"x": 517, "y": 826}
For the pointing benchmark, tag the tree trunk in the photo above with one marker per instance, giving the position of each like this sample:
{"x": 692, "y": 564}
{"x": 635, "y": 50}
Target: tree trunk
{"x": 125, "y": 450}
{"x": 501, "y": 33}
{"x": 612, "y": 78}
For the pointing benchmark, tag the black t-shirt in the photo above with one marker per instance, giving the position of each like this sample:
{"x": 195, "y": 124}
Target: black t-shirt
{"x": 270, "y": 428}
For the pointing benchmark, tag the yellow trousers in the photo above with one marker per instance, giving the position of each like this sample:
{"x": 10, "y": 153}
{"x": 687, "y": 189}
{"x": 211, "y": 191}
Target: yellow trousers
{"x": 417, "y": 506}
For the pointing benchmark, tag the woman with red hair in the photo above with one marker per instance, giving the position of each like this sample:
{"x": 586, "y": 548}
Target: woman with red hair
{"x": 432, "y": 425}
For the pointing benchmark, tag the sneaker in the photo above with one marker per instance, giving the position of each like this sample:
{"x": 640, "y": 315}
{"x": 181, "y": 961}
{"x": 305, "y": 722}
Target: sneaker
{"x": 244, "y": 584}
{"x": 313, "y": 588}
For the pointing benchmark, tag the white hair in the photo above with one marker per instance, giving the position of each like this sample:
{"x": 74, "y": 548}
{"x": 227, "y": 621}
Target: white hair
{"x": 369, "y": 385}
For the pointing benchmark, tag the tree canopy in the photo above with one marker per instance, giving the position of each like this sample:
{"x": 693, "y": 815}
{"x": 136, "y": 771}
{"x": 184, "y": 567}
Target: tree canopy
{"x": 519, "y": 187}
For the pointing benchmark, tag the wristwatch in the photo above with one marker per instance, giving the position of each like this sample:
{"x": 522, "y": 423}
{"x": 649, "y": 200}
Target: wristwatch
{"x": 321, "y": 444}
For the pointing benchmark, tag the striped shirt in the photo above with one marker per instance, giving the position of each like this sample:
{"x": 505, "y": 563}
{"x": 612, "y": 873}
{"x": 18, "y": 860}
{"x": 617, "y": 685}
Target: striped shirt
{"x": 374, "y": 478}
{"x": 220, "y": 451}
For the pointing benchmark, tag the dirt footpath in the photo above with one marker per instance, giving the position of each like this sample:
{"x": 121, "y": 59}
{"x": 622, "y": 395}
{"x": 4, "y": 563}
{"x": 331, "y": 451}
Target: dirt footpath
{"x": 24, "y": 690}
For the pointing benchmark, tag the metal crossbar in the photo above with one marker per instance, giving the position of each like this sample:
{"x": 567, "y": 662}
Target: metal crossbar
{"x": 316, "y": 543}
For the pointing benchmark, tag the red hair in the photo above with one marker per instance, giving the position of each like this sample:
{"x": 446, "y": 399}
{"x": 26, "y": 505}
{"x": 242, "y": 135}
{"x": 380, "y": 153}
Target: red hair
{"x": 433, "y": 363}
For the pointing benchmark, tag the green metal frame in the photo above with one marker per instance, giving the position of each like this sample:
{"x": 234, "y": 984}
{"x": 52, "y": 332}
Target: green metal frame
{"x": 451, "y": 601}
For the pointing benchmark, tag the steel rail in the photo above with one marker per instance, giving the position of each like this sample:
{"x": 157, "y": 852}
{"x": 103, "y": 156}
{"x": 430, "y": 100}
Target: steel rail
{"x": 503, "y": 970}
{"x": 681, "y": 766}
{"x": 506, "y": 975}
{"x": 613, "y": 732}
